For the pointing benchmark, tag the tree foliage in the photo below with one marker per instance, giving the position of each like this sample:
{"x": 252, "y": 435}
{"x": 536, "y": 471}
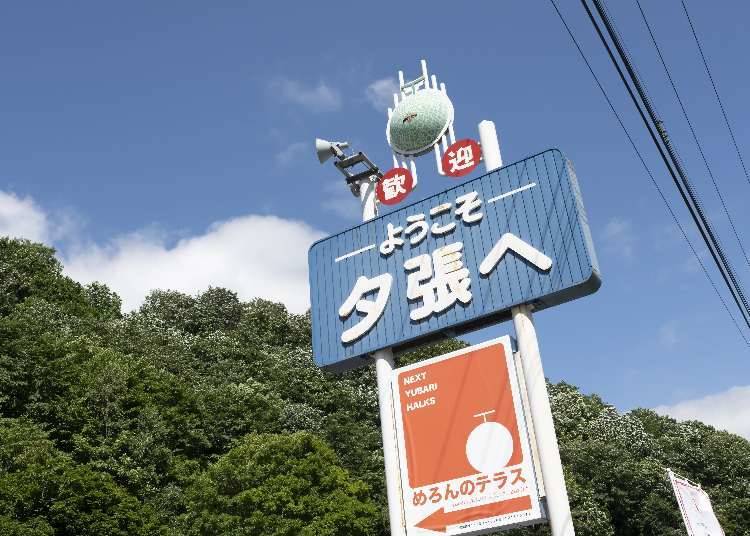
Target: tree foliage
{"x": 206, "y": 415}
{"x": 279, "y": 485}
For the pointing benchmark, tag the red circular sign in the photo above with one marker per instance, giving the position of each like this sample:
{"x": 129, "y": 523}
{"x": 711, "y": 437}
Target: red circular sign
{"x": 395, "y": 185}
{"x": 461, "y": 158}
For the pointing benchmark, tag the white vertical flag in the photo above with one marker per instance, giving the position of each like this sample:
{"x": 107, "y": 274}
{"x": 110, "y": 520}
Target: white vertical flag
{"x": 696, "y": 509}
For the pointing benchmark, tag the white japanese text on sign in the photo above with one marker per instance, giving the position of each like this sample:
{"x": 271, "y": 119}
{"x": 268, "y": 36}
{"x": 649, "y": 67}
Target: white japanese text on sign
{"x": 436, "y": 280}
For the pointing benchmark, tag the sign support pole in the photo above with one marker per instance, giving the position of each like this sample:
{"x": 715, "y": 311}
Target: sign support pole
{"x": 384, "y": 364}
{"x": 558, "y": 505}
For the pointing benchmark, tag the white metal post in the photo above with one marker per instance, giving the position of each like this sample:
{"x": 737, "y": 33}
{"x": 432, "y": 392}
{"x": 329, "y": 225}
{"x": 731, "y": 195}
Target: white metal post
{"x": 367, "y": 198}
{"x": 558, "y": 505}
{"x": 384, "y": 369}
{"x": 490, "y": 145}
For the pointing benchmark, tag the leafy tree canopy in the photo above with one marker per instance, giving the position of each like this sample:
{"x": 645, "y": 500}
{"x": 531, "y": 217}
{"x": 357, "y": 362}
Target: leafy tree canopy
{"x": 280, "y": 485}
{"x": 206, "y": 415}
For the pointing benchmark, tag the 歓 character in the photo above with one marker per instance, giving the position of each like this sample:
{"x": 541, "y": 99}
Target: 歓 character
{"x": 392, "y": 186}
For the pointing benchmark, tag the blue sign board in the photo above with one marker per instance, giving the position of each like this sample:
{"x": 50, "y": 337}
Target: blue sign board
{"x": 453, "y": 262}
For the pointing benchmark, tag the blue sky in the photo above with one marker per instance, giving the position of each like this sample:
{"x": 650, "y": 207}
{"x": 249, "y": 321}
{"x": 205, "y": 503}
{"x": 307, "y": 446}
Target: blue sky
{"x": 171, "y": 145}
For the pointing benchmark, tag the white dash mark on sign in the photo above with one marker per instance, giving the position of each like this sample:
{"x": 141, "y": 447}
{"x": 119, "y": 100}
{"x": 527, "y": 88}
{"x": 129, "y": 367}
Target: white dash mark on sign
{"x": 353, "y": 253}
{"x": 508, "y": 194}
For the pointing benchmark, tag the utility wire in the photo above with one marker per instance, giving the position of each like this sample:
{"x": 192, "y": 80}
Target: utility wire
{"x": 716, "y": 92}
{"x": 692, "y": 131}
{"x": 651, "y": 176}
{"x": 683, "y": 184}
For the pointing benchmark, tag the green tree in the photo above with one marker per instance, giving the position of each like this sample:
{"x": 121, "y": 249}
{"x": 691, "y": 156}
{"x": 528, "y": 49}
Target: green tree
{"x": 43, "y": 492}
{"x": 206, "y": 415}
{"x": 279, "y": 485}
{"x": 29, "y": 269}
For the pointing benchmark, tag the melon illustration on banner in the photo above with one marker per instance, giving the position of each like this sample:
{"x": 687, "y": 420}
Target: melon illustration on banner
{"x": 489, "y": 446}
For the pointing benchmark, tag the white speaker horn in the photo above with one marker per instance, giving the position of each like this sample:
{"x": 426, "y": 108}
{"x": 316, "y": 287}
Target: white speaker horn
{"x": 326, "y": 149}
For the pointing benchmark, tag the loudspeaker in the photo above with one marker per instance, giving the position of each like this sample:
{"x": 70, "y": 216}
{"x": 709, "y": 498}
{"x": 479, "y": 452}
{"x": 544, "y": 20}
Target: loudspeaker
{"x": 326, "y": 149}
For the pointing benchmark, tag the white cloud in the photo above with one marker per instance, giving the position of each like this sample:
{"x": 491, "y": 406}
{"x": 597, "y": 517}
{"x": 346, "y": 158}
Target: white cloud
{"x": 728, "y": 410}
{"x": 255, "y": 256}
{"x": 380, "y": 93}
{"x": 619, "y": 237}
{"x": 320, "y": 98}
{"x": 289, "y": 154}
{"x": 21, "y": 218}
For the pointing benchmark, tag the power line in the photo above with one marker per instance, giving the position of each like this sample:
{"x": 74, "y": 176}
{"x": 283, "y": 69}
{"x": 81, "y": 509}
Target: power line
{"x": 692, "y": 131}
{"x": 651, "y": 176}
{"x": 684, "y": 187}
{"x": 716, "y": 92}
